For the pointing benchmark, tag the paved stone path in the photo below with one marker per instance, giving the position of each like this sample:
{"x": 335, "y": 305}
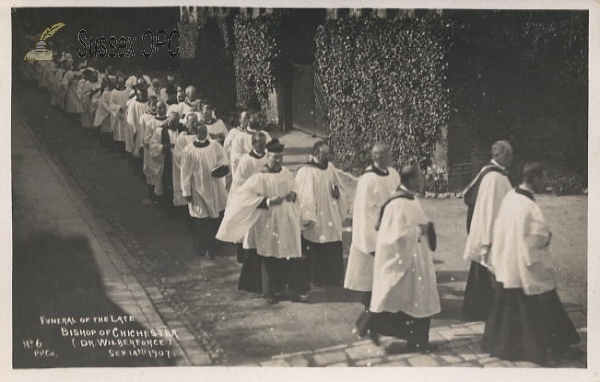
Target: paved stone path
{"x": 62, "y": 209}
{"x": 458, "y": 347}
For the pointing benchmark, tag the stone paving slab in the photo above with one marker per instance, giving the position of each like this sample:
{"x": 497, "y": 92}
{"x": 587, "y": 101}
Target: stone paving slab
{"x": 455, "y": 351}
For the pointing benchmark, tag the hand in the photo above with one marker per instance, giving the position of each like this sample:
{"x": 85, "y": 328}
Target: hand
{"x": 485, "y": 253}
{"x": 309, "y": 224}
{"x": 276, "y": 201}
{"x": 291, "y": 197}
{"x": 188, "y": 198}
{"x": 335, "y": 192}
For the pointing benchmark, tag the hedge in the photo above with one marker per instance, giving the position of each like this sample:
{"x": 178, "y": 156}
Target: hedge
{"x": 384, "y": 80}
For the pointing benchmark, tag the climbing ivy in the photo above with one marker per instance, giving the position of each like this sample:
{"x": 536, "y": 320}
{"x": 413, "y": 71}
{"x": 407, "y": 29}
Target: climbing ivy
{"x": 384, "y": 80}
{"x": 257, "y": 58}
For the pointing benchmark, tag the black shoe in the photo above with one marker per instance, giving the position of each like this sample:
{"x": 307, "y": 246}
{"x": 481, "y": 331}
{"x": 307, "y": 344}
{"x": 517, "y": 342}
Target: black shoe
{"x": 374, "y": 337}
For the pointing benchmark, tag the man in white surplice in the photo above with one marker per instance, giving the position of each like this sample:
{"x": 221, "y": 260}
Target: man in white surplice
{"x": 184, "y": 139}
{"x": 483, "y": 197}
{"x": 118, "y": 113}
{"x": 405, "y": 292}
{"x": 528, "y": 318}
{"x": 250, "y": 164}
{"x": 266, "y": 206}
{"x": 203, "y": 165}
{"x": 323, "y": 209}
{"x": 242, "y": 143}
{"x": 374, "y": 188}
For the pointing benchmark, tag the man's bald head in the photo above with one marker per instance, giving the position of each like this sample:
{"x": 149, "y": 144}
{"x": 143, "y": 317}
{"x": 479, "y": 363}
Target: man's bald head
{"x": 202, "y": 132}
{"x": 259, "y": 141}
{"x": 381, "y": 155}
{"x": 191, "y": 122}
{"x": 502, "y": 152}
{"x": 190, "y": 93}
{"x": 161, "y": 108}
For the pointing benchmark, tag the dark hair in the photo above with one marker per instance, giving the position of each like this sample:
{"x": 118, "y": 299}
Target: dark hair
{"x": 153, "y": 98}
{"x": 532, "y": 171}
{"x": 317, "y": 147}
{"x": 408, "y": 173}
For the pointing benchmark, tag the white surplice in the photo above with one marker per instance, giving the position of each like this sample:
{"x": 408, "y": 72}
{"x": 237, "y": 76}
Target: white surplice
{"x": 183, "y": 140}
{"x": 492, "y": 189}
{"x": 242, "y": 144}
{"x": 276, "y": 230}
{"x": 520, "y": 256}
{"x": 403, "y": 272}
{"x": 209, "y": 195}
{"x": 372, "y": 191}
{"x": 103, "y": 119}
{"x": 318, "y": 205}
{"x": 118, "y": 113}
{"x": 152, "y": 164}
{"x": 228, "y": 141}
{"x": 248, "y": 166}
{"x": 135, "y": 136}
{"x": 158, "y": 156}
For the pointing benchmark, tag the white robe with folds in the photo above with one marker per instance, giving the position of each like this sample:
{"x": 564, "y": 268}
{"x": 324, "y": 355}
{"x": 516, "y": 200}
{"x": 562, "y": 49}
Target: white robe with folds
{"x": 317, "y": 205}
{"x": 520, "y": 256}
{"x": 152, "y": 164}
{"x": 57, "y": 94}
{"x": 73, "y": 104}
{"x": 492, "y": 189}
{"x": 247, "y": 167}
{"x": 183, "y": 140}
{"x": 86, "y": 92}
{"x": 216, "y": 130}
{"x": 135, "y": 111}
{"x": 276, "y": 230}
{"x": 372, "y": 191}
{"x": 242, "y": 144}
{"x": 404, "y": 277}
{"x": 103, "y": 113}
{"x": 209, "y": 195}
{"x": 158, "y": 156}
{"x": 228, "y": 141}
{"x": 118, "y": 113}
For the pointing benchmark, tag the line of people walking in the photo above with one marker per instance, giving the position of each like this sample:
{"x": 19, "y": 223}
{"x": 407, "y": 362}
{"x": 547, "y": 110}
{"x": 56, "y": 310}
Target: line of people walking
{"x": 233, "y": 185}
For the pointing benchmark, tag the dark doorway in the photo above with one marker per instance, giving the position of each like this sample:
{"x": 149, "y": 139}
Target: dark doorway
{"x": 298, "y": 78}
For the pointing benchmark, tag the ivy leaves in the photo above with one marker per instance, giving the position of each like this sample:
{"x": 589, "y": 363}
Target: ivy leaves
{"x": 258, "y": 48}
{"x": 384, "y": 80}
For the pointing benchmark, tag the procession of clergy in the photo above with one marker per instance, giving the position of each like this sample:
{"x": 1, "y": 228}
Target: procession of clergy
{"x": 288, "y": 229}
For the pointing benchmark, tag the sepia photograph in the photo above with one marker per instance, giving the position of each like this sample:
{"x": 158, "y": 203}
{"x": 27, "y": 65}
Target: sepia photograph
{"x": 308, "y": 187}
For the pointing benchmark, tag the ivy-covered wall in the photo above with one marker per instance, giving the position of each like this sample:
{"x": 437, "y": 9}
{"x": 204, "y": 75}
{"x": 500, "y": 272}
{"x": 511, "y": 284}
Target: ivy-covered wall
{"x": 384, "y": 80}
{"x": 258, "y": 42}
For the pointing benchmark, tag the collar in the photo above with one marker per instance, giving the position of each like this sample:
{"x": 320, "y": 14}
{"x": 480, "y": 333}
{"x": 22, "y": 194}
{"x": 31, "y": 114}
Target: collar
{"x": 249, "y": 130}
{"x": 497, "y": 164}
{"x": 256, "y": 155}
{"x": 403, "y": 188}
{"x": 187, "y": 102}
{"x": 316, "y": 164}
{"x": 525, "y": 191}
{"x": 161, "y": 118}
{"x": 378, "y": 171}
{"x": 269, "y": 169}
{"x": 212, "y": 120}
{"x": 201, "y": 144}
